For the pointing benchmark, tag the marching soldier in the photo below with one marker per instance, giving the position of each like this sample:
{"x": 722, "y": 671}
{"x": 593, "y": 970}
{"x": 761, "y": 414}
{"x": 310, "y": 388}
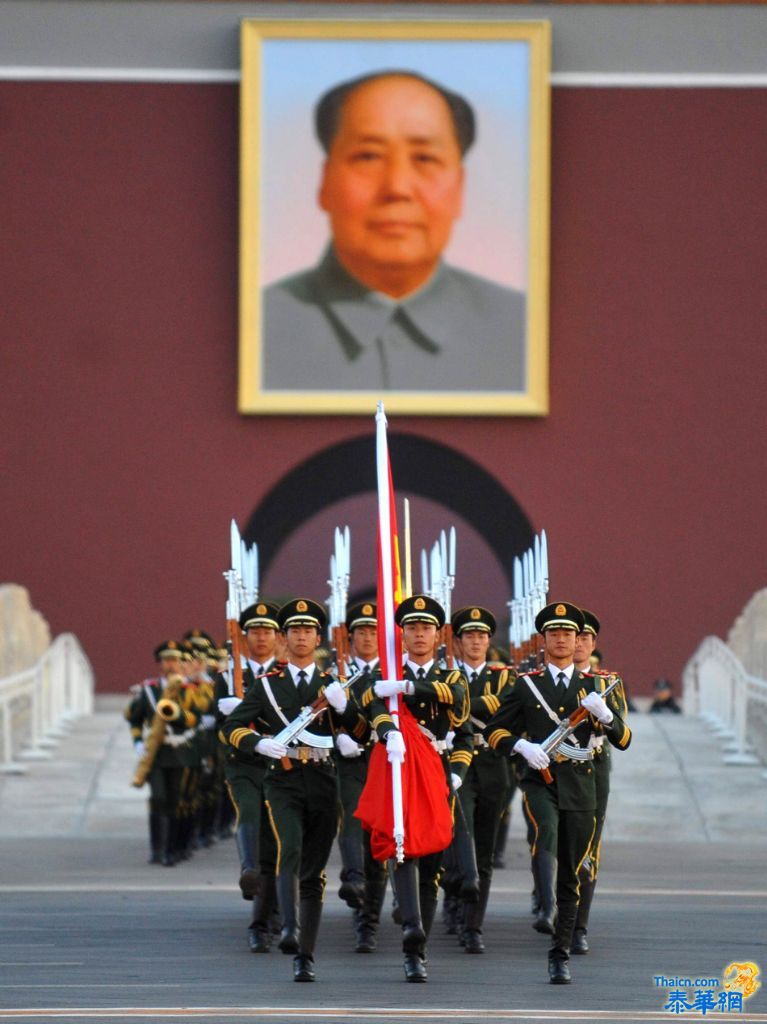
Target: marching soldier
{"x": 438, "y": 699}
{"x": 244, "y": 774}
{"x": 363, "y": 879}
{"x": 300, "y": 784}
{"x": 587, "y": 876}
{"x": 163, "y": 696}
{"x": 563, "y": 809}
{"x": 484, "y": 793}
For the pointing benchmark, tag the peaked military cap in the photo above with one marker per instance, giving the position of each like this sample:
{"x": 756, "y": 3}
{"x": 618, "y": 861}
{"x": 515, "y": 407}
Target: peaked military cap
{"x": 559, "y": 615}
{"x": 199, "y": 639}
{"x": 262, "y": 613}
{"x": 473, "y": 618}
{"x": 302, "y": 612}
{"x": 420, "y": 608}
{"x": 361, "y": 614}
{"x": 590, "y": 622}
{"x": 169, "y": 649}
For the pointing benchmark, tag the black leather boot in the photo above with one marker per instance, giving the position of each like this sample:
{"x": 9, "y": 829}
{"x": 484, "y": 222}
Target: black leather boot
{"x": 167, "y": 838}
{"x": 579, "y": 943}
{"x": 499, "y": 852}
{"x": 155, "y": 844}
{"x": 310, "y": 914}
{"x": 370, "y": 915}
{"x": 559, "y": 954}
{"x": 545, "y": 869}
{"x": 352, "y": 890}
{"x": 247, "y": 848}
{"x": 415, "y": 969}
{"x": 259, "y": 934}
{"x": 406, "y": 888}
{"x": 287, "y": 895}
{"x": 475, "y": 916}
{"x": 463, "y": 847}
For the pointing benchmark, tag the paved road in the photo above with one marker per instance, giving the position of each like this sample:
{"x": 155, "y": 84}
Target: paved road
{"x": 88, "y": 932}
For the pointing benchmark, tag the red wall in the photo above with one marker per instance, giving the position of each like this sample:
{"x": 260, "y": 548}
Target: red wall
{"x": 123, "y": 456}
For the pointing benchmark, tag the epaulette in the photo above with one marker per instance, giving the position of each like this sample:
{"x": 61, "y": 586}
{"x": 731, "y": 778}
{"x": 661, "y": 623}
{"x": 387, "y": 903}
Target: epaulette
{"x": 496, "y": 666}
{"x": 534, "y": 672}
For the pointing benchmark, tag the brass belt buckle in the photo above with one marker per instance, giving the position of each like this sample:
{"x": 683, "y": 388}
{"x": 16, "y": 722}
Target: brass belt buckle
{"x": 303, "y": 753}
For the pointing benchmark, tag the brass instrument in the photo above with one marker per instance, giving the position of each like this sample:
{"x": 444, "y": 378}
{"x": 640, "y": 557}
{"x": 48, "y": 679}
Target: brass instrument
{"x": 168, "y": 710}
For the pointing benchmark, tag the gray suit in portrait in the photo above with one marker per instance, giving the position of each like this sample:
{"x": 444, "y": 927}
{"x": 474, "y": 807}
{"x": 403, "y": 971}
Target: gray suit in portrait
{"x": 324, "y": 330}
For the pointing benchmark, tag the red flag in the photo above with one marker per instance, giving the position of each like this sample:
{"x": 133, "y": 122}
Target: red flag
{"x": 425, "y": 809}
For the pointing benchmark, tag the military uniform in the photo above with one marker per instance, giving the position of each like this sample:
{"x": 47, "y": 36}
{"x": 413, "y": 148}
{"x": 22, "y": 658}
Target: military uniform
{"x": 165, "y": 777}
{"x": 562, "y": 811}
{"x": 484, "y": 793}
{"x": 300, "y": 794}
{"x": 438, "y": 700}
{"x": 363, "y": 879}
{"x": 244, "y": 774}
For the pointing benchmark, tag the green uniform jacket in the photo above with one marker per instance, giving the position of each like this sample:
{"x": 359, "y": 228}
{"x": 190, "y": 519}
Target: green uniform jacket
{"x": 439, "y": 703}
{"x": 255, "y": 717}
{"x": 521, "y": 715}
{"x": 485, "y": 695}
{"x": 224, "y": 687}
{"x": 140, "y": 713}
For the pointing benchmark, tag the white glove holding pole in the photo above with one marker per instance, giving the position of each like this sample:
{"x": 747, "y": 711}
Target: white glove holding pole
{"x": 457, "y": 781}
{"x": 347, "y": 746}
{"x": 271, "y": 748}
{"x": 395, "y": 746}
{"x": 533, "y": 753}
{"x": 139, "y": 747}
{"x": 336, "y": 697}
{"x": 597, "y": 707}
{"x": 449, "y": 738}
{"x": 388, "y": 687}
{"x": 227, "y": 704}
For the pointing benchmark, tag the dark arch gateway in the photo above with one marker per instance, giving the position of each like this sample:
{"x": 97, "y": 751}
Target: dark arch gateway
{"x": 419, "y": 466}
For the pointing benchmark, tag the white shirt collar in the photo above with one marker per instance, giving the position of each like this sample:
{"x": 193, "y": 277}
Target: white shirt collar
{"x": 568, "y": 671}
{"x": 468, "y": 670}
{"x": 362, "y": 664}
{"x": 415, "y": 669}
{"x": 294, "y": 670}
{"x": 259, "y": 667}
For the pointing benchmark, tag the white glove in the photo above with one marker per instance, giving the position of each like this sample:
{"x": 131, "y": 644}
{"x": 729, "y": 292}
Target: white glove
{"x": 388, "y": 687}
{"x": 227, "y": 704}
{"x": 596, "y": 705}
{"x": 395, "y": 746}
{"x": 138, "y": 746}
{"x": 449, "y": 737}
{"x": 347, "y": 746}
{"x": 336, "y": 697}
{"x": 533, "y": 753}
{"x": 208, "y": 721}
{"x": 271, "y": 748}
{"x": 457, "y": 781}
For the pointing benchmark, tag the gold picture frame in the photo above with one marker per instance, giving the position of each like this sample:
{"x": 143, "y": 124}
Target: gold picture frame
{"x": 285, "y": 68}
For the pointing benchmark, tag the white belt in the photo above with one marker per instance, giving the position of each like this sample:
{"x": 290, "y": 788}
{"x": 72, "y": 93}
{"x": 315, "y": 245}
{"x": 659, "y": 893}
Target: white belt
{"x": 596, "y": 742}
{"x": 479, "y": 740}
{"x": 305, "y": 754}
{"x": 439, "y": 745}
{"x": 178, "y": 739}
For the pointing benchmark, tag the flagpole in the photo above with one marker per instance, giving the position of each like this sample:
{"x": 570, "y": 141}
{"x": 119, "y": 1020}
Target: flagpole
{"x": 390, "y": 667}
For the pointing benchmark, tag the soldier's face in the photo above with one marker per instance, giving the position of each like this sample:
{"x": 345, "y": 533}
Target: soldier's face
{"x": 474, "y": 644}
{"x": 365, "y": 642}
{"x": 301, "y": 641}
{"x": 170, "y": 665}
{"x": 261, "y": 642}
{"x": 392, "y": 183}
{"x": 559, "y": 643}
{"x": 584, "y": 645}
{"x": 419, "y": 638}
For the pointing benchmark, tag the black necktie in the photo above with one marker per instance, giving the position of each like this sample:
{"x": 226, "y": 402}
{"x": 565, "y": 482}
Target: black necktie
{"x": 303, "y": 687}
{"x": 474, "y": 678}
{"x": 562, "y": 679}
{"x": 421, "y": 674}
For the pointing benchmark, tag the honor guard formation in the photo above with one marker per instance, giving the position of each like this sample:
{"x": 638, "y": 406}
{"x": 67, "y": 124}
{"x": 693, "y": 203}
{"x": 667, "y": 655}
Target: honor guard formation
{"x": 411, "y": 768}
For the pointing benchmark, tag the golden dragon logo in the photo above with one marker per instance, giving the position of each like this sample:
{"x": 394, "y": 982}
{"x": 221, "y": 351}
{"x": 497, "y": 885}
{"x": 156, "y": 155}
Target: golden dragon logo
{"x": 741, "y": 978}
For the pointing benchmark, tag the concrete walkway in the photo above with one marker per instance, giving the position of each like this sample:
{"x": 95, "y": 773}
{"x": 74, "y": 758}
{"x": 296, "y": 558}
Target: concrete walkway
{"x": 670, "y": 785}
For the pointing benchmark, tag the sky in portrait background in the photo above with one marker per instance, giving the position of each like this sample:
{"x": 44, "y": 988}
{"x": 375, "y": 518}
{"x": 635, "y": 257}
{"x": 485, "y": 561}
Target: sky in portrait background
{"x": 490, "y": 238}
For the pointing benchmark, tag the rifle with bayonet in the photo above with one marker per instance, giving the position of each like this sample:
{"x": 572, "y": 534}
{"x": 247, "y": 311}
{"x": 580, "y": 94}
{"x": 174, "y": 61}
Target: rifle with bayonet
{"x": 439, "y": 569}
{"x": 555, "y": 743}
{"x": 297, "y": 729}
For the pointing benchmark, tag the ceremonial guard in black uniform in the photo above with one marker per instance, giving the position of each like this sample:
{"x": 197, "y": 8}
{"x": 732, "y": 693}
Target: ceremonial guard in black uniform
{"x": 300, "y": 783}
{"x": 244, "y": 773}
{"x": 562, "y": 809}
{"x": 587, "y": 876}
{"x": 363, "y": 879}
{"x": 438, "y": 699}
{"x": 157, "y": 716}
{"x": 483, "y": 796}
